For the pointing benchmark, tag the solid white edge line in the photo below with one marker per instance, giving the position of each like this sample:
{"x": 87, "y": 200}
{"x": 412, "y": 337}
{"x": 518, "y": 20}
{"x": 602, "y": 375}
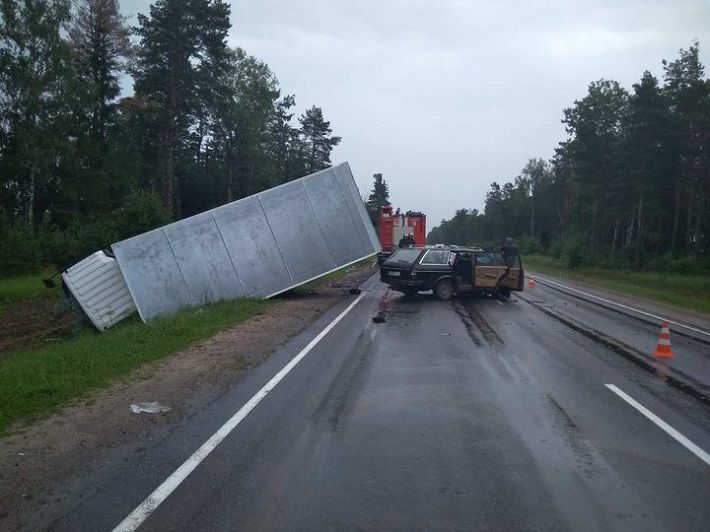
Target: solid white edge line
{"x": 162, "y": 492}
{"x": 679, "y": 324}
{"x": 673, "y": 433}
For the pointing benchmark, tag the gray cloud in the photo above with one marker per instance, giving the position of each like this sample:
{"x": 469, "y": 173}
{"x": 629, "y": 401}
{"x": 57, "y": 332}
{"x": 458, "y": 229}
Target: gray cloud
{"x": 444, "y": 97}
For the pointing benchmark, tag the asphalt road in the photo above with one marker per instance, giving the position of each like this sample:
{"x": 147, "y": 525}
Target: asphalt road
{"x": 465, "y": 415}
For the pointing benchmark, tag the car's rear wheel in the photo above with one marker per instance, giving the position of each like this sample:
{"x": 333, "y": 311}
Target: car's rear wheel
{"x": 444, "y": 289}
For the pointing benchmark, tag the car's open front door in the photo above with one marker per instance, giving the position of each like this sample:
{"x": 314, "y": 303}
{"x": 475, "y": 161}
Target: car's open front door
{"x": 491, "y": 272}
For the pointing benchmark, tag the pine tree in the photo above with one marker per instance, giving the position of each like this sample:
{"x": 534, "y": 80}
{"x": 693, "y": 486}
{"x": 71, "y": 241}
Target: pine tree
{"x": 648, "y": 162}
{"x": 379, "y": 197}
{"x": 250, "y": 122}
{"x": 529, "y": 180}
{"x": 595, "y": 127}
{"x": 317, "y": 140}
{"x": 100, "y": 43}
{"x": 101, "y": 46}
{"x": 182, "y": 57}
{"x": 282, "y": 136}
{"x": 35, "y": 75}
{"x": 689, "y": 99}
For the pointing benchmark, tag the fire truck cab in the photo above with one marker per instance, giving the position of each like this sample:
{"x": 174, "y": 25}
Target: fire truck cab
{"x": 394, "y": 225}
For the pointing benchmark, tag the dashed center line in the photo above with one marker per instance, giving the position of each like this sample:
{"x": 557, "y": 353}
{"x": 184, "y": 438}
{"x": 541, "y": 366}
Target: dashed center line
{"x": 673, "y": 433}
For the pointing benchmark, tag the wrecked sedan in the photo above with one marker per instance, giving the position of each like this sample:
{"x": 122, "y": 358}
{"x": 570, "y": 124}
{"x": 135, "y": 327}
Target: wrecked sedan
{"x": 452, "y": 270}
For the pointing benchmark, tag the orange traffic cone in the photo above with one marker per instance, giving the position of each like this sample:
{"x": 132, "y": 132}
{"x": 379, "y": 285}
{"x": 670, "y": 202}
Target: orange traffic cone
{"x": 663, "y": 348}
{"x": 531, "y": 282}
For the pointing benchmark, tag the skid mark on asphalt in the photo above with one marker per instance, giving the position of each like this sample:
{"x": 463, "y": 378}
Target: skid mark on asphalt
{"x": 476, "y": 324}
{"x": 340, "y": 393}
{"x": 565, "y": 416}
{"x": 589, "y": 493}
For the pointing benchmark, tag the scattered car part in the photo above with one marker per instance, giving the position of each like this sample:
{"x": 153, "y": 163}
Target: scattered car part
{"x": 149, "y": 408}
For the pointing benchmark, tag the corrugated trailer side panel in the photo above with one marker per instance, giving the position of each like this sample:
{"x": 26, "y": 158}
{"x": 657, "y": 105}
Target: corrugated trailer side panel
{"x": 99, "y": 288}
{"x": 257, "y": 246}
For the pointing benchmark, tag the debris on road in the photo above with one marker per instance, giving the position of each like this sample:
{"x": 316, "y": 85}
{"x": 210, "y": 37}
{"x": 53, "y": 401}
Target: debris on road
{"x": 383, "y": 307}
{"x": 149, "y": 408}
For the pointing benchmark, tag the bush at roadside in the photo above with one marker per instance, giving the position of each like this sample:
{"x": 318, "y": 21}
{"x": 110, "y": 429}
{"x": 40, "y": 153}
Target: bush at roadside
{"x": 24, "y": 250}
{"x": 20, "y": 249}
{"x": 529, "y": 245}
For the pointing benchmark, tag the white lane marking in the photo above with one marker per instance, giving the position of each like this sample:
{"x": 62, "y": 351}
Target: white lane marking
{"x": 162, "y": 492}
{"x": 673, "y": 433}
{"x": 587, "y": 294}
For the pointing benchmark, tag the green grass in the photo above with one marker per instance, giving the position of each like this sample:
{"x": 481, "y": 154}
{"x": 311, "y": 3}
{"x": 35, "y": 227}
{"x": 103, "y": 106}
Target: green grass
{"x": 682, "y": 290}
{"x": 24, "y": 287}
{"x": 38, "y": 381}
{"x": 312, "y": 286}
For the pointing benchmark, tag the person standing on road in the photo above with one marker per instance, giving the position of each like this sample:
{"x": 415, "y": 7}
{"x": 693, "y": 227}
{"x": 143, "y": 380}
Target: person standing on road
{"x": 404, "y": 241}
{"x": 410, "y": 240}
{"x": 509, "y": 252}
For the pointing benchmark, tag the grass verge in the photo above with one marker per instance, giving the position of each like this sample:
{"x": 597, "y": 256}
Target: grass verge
{"x": 333, "y": 276}
{"x": 682, "y": 290}
{"x": 24, "y": 287}
{"x": 38, "y": 381}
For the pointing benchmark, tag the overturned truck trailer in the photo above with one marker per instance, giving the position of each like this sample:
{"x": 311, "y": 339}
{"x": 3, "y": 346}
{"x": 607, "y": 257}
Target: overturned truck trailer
{"x": 257, "y": 246}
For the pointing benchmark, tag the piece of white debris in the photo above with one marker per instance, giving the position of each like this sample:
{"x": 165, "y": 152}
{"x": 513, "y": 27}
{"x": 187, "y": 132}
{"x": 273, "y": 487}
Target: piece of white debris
{"x": 149, "y": 408}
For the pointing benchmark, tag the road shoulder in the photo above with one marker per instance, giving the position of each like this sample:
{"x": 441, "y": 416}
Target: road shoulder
{"x": 691, "y": 317}
{"x": 40, "y": 455}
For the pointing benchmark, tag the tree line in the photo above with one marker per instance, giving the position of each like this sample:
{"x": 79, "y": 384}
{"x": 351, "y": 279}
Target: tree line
{"x": 82, "y": 165}
{"x": 629, "y": 186}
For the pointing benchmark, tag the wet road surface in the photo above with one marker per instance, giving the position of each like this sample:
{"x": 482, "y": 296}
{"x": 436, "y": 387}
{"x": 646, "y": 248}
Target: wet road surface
{"x": 472, "y": 414}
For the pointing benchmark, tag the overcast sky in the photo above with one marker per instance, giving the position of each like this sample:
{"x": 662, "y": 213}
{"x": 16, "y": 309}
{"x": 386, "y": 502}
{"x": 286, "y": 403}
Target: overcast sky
{"x": 443, "y": 97}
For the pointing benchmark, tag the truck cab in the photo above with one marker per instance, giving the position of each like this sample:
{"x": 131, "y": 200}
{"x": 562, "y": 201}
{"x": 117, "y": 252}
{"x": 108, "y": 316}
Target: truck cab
{"x": 450, "y": 270}
{"x": 393, "y": 225}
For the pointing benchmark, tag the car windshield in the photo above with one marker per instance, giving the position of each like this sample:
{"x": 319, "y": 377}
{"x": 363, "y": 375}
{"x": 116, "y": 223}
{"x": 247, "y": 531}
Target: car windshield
{"x": 436, "y": 256}
{"x": 405, "y": 255}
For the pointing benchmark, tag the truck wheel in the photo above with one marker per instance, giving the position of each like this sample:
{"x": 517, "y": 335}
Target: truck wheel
{"x": 444, "y": 289}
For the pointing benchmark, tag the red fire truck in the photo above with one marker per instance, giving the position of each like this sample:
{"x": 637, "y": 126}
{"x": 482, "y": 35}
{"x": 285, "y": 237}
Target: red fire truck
{"x": 394, "y": 225}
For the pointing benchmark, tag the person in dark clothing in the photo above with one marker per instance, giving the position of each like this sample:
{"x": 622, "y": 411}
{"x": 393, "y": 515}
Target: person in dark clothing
{"x": 403, "y": 242}
{"x": 410, "y": 240}
{"x": 509, "y": 252}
